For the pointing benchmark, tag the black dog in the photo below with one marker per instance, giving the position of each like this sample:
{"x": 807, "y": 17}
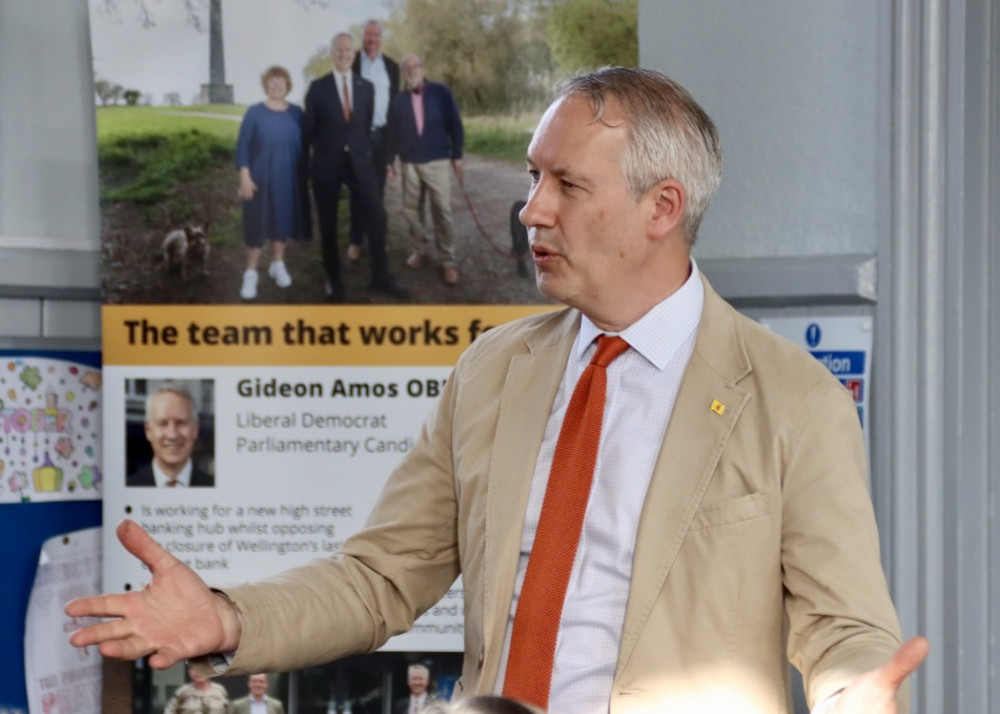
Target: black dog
{"x": 519, "y": 239}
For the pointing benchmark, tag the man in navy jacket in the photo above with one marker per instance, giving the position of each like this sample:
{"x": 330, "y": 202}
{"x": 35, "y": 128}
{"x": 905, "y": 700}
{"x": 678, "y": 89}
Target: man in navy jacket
{"x": 337, "y": 134}
{"x": 426, "y": 133}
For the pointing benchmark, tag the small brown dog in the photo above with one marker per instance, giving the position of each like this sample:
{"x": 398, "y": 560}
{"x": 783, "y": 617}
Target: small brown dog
{"x": 186, "y": 245}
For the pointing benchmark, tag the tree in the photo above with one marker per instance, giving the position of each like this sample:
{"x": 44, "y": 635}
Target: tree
{"x": 131, "y": 96}
{"x": 477, "y": 47}
{"x": 318, "y": 64}
{"x": 587, "y": 34}
{"x": 108, "y": 92}
{"x": 172, "y": 99}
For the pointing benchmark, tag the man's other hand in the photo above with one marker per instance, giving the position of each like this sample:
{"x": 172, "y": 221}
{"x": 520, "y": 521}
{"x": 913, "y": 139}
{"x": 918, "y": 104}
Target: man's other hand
{"x": 875, "y": 692}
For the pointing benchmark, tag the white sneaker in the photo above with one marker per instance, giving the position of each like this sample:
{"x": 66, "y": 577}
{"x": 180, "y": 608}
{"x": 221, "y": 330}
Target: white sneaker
{"x": 279, "y": 274}
{"x": 249, "y": 289}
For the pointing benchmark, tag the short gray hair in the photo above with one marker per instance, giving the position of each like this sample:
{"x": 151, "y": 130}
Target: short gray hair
{"x": 336, "y": 37}
{"x": 412, "y": 56}
{"x": 181, "y": 390}
{"x": 418, "y": 665}
{"x": 670, "y": 135}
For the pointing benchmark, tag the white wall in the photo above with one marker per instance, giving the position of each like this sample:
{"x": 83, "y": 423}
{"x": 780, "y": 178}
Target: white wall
{"x": 49, "y": 213}
{"x": 794, "y": 88}
{"x": 853, "y": 129}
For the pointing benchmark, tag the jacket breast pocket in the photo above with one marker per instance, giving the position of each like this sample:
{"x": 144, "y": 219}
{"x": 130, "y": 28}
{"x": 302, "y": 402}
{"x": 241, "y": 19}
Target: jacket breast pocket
{"x": 738, "y": 510}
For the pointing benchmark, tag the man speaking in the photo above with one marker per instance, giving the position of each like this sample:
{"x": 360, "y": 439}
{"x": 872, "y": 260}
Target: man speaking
{"x": 655, "y": 504}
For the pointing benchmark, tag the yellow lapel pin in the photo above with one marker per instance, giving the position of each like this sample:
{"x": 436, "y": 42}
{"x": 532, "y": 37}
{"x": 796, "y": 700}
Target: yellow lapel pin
{"x": 718, "y": 407}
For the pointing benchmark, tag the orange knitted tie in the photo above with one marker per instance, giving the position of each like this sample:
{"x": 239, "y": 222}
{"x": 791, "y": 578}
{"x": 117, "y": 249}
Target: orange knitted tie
{"x": 347, "y": 101}
{"x": 539, "y": 609}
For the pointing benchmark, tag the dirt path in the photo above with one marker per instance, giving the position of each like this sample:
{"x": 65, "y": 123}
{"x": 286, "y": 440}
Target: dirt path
{"x": 133, "y": 272}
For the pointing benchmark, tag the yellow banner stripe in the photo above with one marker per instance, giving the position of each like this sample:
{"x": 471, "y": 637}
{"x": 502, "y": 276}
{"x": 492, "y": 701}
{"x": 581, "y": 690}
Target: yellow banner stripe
{"x": 380, "y": 335}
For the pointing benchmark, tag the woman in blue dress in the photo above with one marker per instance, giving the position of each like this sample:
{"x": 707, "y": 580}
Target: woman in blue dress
{"x": 272, "y": 185}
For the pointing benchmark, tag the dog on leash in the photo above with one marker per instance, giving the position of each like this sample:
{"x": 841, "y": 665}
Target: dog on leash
{"x": 186, "y": 245}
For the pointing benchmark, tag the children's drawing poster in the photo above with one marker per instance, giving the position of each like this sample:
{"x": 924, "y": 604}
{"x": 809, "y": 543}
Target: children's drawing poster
{"x": 50, "y": 428}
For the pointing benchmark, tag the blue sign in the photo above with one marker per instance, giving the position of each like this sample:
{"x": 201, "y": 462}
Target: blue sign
{"x": 842, "y": 362}
{"x": 813, "y": 334}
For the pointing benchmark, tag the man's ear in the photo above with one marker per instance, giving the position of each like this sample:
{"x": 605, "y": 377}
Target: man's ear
{"x": 669, "y": 200}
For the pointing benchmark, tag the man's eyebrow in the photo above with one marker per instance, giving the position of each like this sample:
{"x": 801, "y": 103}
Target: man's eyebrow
{"x": 561, "y": 171}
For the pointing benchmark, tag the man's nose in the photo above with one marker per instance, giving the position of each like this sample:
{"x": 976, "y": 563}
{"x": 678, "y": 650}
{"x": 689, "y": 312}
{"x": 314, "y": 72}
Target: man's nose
{"x": 538, "y": 209}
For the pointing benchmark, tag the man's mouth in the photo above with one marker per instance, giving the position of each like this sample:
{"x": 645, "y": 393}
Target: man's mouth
{"x": 542, "y": 254}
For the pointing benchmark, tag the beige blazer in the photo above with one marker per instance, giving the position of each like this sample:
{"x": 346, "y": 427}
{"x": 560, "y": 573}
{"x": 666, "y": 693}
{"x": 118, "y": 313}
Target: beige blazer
{"x": 757, "y": 536}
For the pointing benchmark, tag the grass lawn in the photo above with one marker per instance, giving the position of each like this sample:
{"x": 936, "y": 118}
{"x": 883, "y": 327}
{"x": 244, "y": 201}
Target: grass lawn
{"x": 501, "y": 137}
{"x": 118, "y": 121}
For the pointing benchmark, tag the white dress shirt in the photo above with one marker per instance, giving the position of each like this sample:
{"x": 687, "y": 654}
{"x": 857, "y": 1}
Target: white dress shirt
{"x": 642, "y": 387}
{"x": 339, "y": 78}
{"x": 183, "y": 478}
{"x": 375, "y": 72}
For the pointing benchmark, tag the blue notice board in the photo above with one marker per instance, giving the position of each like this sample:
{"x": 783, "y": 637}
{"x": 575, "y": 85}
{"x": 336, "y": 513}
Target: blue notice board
{"x": 24, "y": 526}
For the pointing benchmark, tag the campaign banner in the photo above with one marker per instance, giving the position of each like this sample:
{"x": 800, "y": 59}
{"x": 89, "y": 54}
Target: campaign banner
{"x": 300, "y": 420}
{"x": 290, "y": 373}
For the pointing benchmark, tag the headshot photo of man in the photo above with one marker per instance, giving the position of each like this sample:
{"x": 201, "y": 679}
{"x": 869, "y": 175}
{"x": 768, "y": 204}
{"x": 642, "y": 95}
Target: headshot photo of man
{"x": 171, "y": 428}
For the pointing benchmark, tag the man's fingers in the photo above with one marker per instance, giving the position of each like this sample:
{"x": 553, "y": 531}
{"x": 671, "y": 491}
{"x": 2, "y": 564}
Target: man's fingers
{"x": 906, "y": 659}
{"x": 93, "y": 634}
{"x": 165, "y": 658}
{"x": 123, "y": 649}
{"x": 140, "y": 544}
{"x": 98, "y": 606}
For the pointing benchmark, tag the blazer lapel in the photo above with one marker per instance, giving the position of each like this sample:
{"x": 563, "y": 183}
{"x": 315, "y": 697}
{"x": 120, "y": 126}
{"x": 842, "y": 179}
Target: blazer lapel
{"x": 693, "y": 444}
{"x": 532, "y": 379}
{"x": 356, "y": 106}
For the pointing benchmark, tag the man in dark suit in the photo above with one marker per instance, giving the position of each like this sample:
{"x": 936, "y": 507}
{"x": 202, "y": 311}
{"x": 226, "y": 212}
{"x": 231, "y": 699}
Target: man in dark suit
{"x": 172, "y": 430}
{"x": 418, "y": 681}
{"x": 383, "y": 73}
{"x": 257, "y": 684}
{"x": 337, "y": 134}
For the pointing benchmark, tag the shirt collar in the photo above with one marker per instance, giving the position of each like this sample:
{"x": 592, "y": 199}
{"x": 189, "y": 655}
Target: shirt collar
{"x": 657, "y": 334}
{"x": 183, "y": 478}
{"x": 366, "y": 60}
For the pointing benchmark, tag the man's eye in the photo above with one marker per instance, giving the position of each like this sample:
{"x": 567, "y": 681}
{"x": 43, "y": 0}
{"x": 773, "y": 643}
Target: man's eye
{"x": 568, "y": 184}
{"x": 534, "y": 176}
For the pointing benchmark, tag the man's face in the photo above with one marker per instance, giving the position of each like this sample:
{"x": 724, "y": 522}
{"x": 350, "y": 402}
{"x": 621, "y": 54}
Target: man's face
{"x": 371, "y": 40}
{"x": 257, "y": 684}
{"x": 413, "y": 73}
{"x": 418, "y": 681}
{"x": 172, "y": 431}
{"x": 586, "y": 234}
{"x": 342, "y": 53}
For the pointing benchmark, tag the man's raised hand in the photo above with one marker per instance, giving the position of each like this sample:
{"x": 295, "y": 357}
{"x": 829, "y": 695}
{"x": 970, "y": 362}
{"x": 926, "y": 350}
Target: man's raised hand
{"x": 175, "y": 617}
{"x": 875, "y": 692}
